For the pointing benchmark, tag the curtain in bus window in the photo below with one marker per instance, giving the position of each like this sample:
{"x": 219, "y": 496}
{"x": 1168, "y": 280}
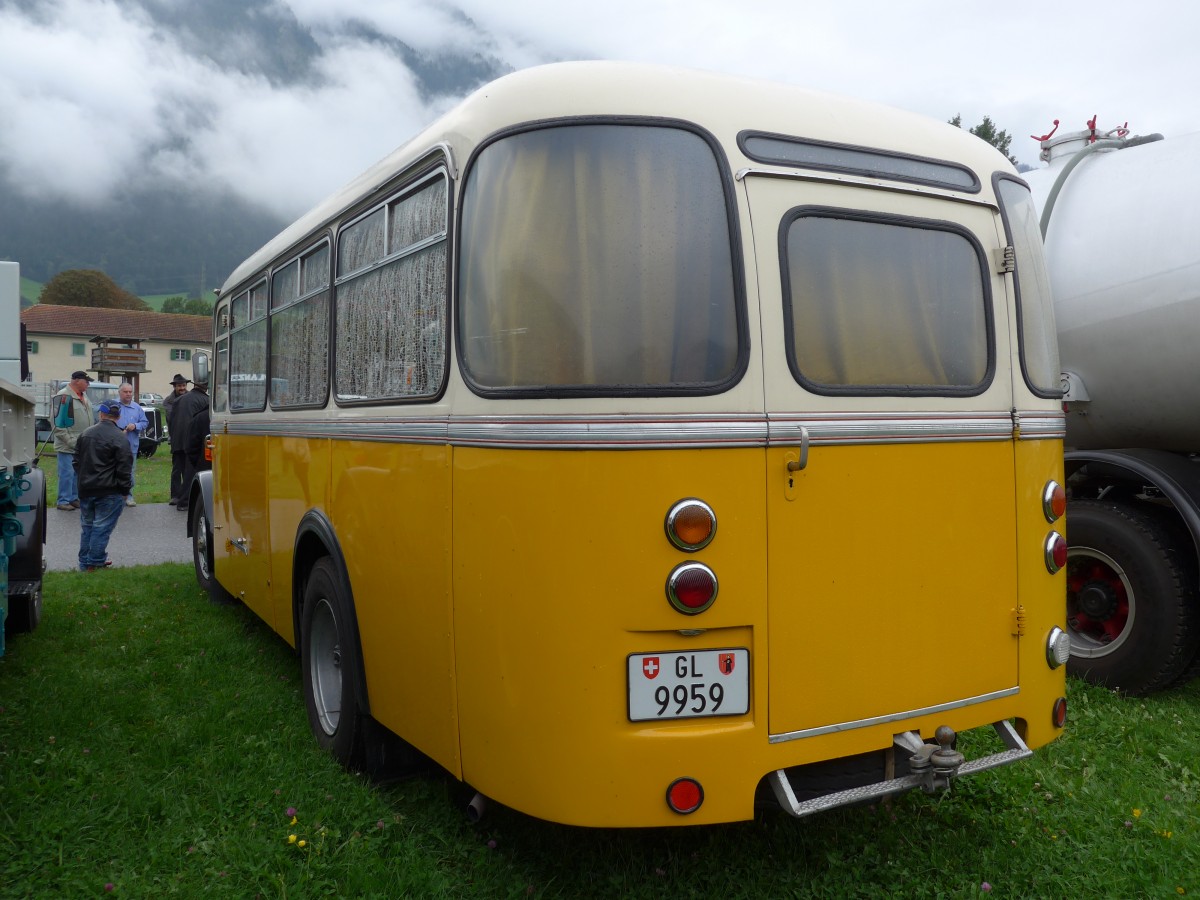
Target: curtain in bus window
{"x": 884, "y": 305}
{"x": 300, "y": 352}
{"x": 220, "y": 391}
{"x": 391, "y": 319}
{"x": 597, "y": 255}
{"x": 390, "y": 329}
{"x": 248, "y": 367}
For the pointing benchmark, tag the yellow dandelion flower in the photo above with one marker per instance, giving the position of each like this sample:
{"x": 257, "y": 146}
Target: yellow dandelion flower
{"x": 1137, "y": 813}
{"x": 291, "y": 839}
{"x": 293, "y": 822}
{"x": 301, "y": 843}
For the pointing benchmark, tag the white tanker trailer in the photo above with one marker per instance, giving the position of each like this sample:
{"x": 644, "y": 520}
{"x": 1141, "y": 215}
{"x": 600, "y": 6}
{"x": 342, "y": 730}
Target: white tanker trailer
{"x": 1120, "y": 218}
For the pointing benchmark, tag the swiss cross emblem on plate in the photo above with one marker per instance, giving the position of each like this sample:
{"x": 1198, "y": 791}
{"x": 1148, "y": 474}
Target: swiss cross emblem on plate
{"x": 650, "y": 667}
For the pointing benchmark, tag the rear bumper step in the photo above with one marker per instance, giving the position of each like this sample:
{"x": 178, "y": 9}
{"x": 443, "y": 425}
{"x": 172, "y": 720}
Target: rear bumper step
{"x": 933, "y": 768}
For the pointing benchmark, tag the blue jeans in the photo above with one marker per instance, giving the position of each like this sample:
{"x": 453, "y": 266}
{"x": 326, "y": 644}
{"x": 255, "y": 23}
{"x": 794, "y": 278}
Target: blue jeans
{"x": 97, "y": 518}
{"x": 68, "y": 485}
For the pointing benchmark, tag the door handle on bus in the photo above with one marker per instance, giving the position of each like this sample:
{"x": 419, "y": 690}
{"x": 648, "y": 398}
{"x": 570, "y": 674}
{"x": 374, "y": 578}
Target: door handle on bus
{"x": 795, "y": 465}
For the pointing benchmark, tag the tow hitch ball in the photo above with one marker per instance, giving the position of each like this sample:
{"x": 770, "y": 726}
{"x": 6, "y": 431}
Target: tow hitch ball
{"x": 936, "y": 764}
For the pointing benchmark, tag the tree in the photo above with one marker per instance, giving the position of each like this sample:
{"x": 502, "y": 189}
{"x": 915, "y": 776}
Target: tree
{"x": 184, "y": 306}
{"x": 88, "y": 287}
{"x": 987, "y": 131}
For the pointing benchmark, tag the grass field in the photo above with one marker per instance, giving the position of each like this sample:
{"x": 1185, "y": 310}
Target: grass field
{"x": 152, "y": 476}
{"x": 155, "y": 743}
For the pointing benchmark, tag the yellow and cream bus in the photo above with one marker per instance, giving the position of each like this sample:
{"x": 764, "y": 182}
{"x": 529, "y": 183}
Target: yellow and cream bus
{"x": 644, "y": 446}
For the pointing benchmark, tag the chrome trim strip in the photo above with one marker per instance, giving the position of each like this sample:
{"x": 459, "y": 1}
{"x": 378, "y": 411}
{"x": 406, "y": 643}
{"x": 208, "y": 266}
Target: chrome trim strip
{"x": 888, "y": 428}
{"x": 1042, "y": 425}
{"x": 641, "y": 432}
{"x": 891, "y": 717}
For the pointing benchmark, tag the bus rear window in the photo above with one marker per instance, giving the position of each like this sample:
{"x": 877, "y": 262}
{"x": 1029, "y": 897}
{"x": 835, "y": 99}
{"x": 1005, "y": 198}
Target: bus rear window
{"x": 597, "y": 259}
{"x": 884, "y": 305}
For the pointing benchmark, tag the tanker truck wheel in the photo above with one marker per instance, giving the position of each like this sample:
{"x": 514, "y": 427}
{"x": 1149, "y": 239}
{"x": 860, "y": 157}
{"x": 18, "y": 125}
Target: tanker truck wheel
{"x": 1131, "y": 600}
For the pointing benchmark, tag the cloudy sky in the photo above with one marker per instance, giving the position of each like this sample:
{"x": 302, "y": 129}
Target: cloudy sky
{"x": 94, "y": 93}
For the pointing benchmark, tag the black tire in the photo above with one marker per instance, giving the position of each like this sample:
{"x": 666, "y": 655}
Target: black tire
{"x": 25, "y": 566}
{"x": 1132, "y": 607}
{"x": 202, "y": 554}
{"x": 331, "y": 665}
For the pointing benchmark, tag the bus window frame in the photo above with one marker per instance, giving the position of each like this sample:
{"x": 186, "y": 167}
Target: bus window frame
{"x": 431, "y": 165}
{"x": 884, "y": 390}
{"x": 736, "y": 259}
{"x": 298, "y": 257}
{"x": 261, "y": 280}
{"x": 1043, "y": 392}
{"x": 864, "y": 171}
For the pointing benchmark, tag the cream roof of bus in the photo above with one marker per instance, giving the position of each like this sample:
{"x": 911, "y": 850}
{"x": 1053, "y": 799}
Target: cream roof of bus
{"x": 722, "y": 104}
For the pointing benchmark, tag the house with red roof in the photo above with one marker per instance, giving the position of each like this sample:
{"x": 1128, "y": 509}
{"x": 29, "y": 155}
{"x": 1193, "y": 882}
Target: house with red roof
{"x": 144, "y": 348}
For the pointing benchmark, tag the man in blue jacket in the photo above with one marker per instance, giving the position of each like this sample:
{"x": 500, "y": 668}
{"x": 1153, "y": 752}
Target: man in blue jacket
{"x": 104, "y": 466}
{"x": 134, "y": 423}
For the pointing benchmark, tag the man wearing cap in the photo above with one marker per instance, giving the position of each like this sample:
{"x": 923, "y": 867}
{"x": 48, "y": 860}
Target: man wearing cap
{"x": 104, "y": 465}
{"x": 179, "y": 387}
{"x": 71, "y": 416}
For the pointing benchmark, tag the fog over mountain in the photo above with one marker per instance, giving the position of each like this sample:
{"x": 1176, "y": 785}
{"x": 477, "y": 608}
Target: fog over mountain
{"x": 172, "y": 157}
{"x": 165, "y": 140}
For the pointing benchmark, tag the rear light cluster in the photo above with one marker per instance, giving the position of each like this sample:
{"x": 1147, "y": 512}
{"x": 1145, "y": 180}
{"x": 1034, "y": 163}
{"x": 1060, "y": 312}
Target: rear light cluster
{"x": 1054, "y": 504}
{"x": 692, "y": 586}
{"x": 1058, "y": 643}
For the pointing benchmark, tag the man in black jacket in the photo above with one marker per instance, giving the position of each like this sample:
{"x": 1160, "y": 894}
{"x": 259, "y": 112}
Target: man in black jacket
{"x": 104, "y": 466}
{"x": 192, "y": 420}
{"x": 179, "y": 386}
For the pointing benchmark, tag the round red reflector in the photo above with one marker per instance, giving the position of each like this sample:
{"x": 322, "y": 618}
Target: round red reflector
{"x": 1056, "y": 551}
{"x": 1059, "y": 716}
{"x": 685, "y": 795}
{"x": 692, "y": 588}
{"x": 691, "y": 524}
{"x": 1054, "y": 501}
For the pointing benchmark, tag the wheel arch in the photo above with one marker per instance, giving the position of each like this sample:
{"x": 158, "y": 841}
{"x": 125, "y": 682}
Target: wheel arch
{"x": 317, "y": 539}
{"x": 201, "y": 491}
{"x": 1172, "y": 474}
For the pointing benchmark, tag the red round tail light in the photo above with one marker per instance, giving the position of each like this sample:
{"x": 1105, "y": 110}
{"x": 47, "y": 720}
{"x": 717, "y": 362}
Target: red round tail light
{"x": 1056, "y": 551}
{"x": 692, "y": 588}
{"x": 1059, "y": 714}
{"x": 685, "y": 795}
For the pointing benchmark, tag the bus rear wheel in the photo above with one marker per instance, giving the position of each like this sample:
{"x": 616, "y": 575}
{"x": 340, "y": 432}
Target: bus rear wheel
{"x": 1133, "y": 615}
{"x": 331, "y": 666}
{"x": 202, "y": 554}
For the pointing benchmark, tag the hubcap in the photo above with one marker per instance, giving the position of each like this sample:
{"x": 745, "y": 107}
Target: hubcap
{"x": 1100, "y": 603}
{"x": 325, "y": 667}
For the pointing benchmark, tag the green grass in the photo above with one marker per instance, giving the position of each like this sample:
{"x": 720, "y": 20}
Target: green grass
{"x": 152, "y": 476}
{"x": 155, "y": 742}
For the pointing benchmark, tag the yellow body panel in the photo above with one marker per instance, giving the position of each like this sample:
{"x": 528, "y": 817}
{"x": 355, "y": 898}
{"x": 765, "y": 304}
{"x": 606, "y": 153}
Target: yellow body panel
{"x": 884, "y": 559}
{"x": 390, "y": 508}
{"x": 241, "y": 541}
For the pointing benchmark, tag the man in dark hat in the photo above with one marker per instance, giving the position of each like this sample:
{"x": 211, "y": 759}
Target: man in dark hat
{"x": 104, "y": 466}
{"x": 71, "y": 414}
{"x": 179, "y": 387}
{"x": 192, "y": 419}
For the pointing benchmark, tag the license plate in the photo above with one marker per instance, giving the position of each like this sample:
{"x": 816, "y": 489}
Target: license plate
{"x": 676, "y": 685}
